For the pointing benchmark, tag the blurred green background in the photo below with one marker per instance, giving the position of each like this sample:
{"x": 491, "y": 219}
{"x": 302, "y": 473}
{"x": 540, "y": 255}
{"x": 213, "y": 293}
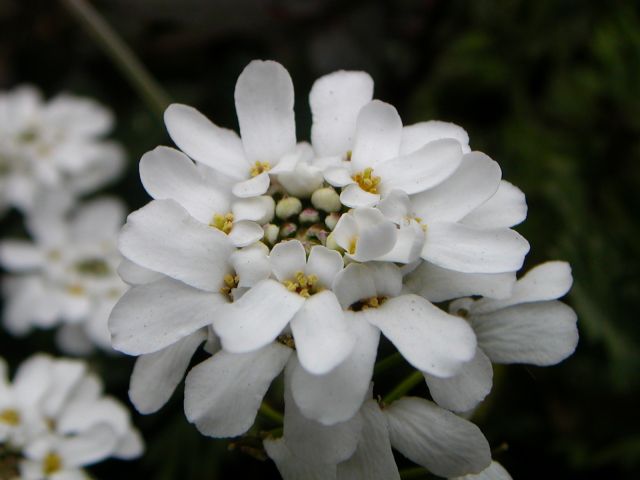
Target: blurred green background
{"x": 549, "y": 89}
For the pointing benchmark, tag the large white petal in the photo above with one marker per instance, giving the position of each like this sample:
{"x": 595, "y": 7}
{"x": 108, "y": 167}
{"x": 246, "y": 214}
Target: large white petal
{"x": 508, "y": 207}
{"x": 256, "y": 318}
{"x": 378, "y": 134}
{"x": 325, "y": 264}
{"x": 205, "y": 142}
{"x": 467, "y": 388}
{"x": 387, "y": 278}
{"x": 472, "y": 250}
{"x": 419, "y": 134}
{"x": 438, "y": 284}
{"x": 337, "y": 396}
{"x": 472, "y": 184}
{"x": 222, "y": 395}
{"x": 440, "y": 441}
{"x": 541, "y": 333}
{"x": 257, "y": 209}
{"x": 422, "y": 169}
{"x": 294, "y": 468}
{"x": 323, "y": 338}
{"x": 495, "y": 471}
{"x": 336, "y": 100}
{"x": 251, "y": 264}
{"x": 431, "y": 340}
{"x": 354, "y": 197}
{"x": 153, "y": 316}
{"x": 134, "y": 274}
{"x": 409, "y": 243}
{"x": 264, "y": 105}
{"x": 168, "y": 174}
{"x": 353, "y": 284}
{"x": 547, "y": 281}
{"x": 156, "y": 375}
{"x": 252, "y": 187}
{"x": 373, "y": 459}
{"x": 162, "y": 236}
{"x": 287, "y": 258}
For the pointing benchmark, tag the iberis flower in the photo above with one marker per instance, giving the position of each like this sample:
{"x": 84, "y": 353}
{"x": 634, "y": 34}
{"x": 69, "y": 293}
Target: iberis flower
{"x": 57, "y": 144}
{"x": 308, "y": 259}
{"x": 55, "y": 420}
{"x": 66, "y": 275}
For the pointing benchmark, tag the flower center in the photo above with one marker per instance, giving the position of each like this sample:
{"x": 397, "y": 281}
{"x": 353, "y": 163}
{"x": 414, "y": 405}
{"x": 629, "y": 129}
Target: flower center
{"x": 353, "y": 243}
{"x": 10, "y": 417}
{"x": 286, "y": 340}
{"x": 51, "y": 463}
{"x": 223, "y": 223}
{"x": 367, "y": 180}
{"x": 303, "y": 285}
{"x": 259, "y": 167}
{"x": 95, "y": 267}
{"x": 230, "y": 283}
{"x": 367, "y": 303}
{"x": 75, "y": 289}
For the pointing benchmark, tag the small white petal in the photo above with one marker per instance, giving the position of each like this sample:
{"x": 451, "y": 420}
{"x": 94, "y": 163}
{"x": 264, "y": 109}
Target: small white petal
{"x": 541, "y": 333}
{"x": 440, "y": 441}
{"x": 396, "y": 206}
{"x": 419, "y": 134}
{"x": 353, "y": 196}
{"x": 325, "y": 264}
{"x": 134, "y": 274}
{"x": 471, "y": 250}
{"x": 386, "y": 277}
{"x": 336, "y": 100}
{"x": 431, "y": 340}
{"x": 467, "y": 388}
{"x": 245, "y": 233}
{"x": 378, "y": 135}
{"x": 408, "y": 246}
{"x": 20, "y": 256}
{"x": 508, "y": 207}
{"x": 353, "y": 284}
{"x": 130, "y": 446}
{"x": 303, "y": 181}
{"x": 256, "y": 209}
{"x": 156, "y": 375}
{"x": 205, "y": 142}
{"x": 338, "y": 176}
{"x": 222, "y": 395}
{"x": 264, "y": 105}
{"x": 294, "y": 468}
{"x": 495, "y": 471}
{"x": 251, "y": 264}
{"x": 253, "y": 187}
{"x": 287, "y": 258}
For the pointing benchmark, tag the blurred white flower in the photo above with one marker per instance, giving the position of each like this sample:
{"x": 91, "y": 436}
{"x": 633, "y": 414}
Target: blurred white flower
{"x": 54, "y": 419}
{"x": 57, "y": 144}
{"x": 67, "y": 274}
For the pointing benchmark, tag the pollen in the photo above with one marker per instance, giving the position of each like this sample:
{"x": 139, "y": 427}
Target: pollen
{"x": 10, "y": 417}
{"x": 259, "y": 167}
{"x": 367, "y": 180}
{"x": 51, "y": 463}
{"x": 223, "y": 223}
{"x": 367, "y": 303}
{"x": 303, "y": 285}
{"x": 76, "y": 289}
{"x": 230, "y": 282}
{"x": 353, "y": 243}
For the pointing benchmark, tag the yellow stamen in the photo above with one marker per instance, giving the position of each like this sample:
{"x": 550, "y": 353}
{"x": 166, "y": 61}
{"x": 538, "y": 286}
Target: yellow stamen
{"x": 303, "y": 285}
{"x": 367, "y": 180}
{"x": 10, "y": 417}
{"x": 259, "y": 167}
{"x": 230, "y": 282}
{"x": 223, "y": 223}
{"x": 367, "y": 303}
{"x": 51, "y": 464}
{"x": 353, "y": 243}
{"x": 75, "y": 289}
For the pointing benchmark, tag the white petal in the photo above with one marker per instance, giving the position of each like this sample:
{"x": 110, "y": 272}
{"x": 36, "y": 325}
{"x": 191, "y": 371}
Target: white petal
{"x": 325, "y": 264}
{"x": 81, "y": 416}
{"x": 287, "y": 258}
{"x": 420, "y": 170}
{"x": 373, "y": 459}
{"x": 257, "y": 209}
{"x": 312, "y": 441}
{"x": 467, "y": 388}
{"x": 251, "y": 264}
{"x": 337, "y": 396}
{"x": 354, "y": 283}
{"x": 508, "y": 207}
{"x": 168, "y": 174}
{"x": 541, "y": 333}
{"x": 471, "y": 250}
{"x": 495, "y": 471}
{"x": 19, "y": 255}
{"x": 547, "y": 281}
{"x": 294, "y": 468}
{"x": 440, "y": 441}
{"x": 156, "y": 375}
{"x": 257, "y": 318}
{"x": 472, "y": 184}
{"x": 222, "y": 394}
{"x": 32, "y": 379}
{"x": 99, "y": 219}
{"x": 387, "y": 278}
{"x": 64, "y": 376}
{"x": 130, "y": 446}
{"x": 431, "y": 340}
{"x": 336, "y": 100}
{"x": 87, "y": 447}
{"x": 338, "y": 176}
{"x": 205, "y": 142}
{"x": 151, "y": 317}
{"x": 253, "y": 187}
{"x": 323, "y": 338}
{"x": 408, "y": 246}
{"x": 378, "y": 135}
{"x": 302, "y": 181}
{"x": 353, "y": 196}
{"x": 245, "y": 233}
{"x": 396, "y": 206}
{"x": 163, "y": 237}
{"x": 438, "y": 284}
{"x": 134, "y": 274}
{"x": 419, "y": 134}
{"x": 264, "y": 105}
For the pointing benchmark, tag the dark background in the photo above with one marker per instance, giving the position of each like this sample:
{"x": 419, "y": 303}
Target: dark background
{"x": 549, "y": 89}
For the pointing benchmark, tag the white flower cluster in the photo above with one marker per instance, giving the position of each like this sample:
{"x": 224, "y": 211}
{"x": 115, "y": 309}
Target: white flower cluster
{"x": 55, "y": 420}
{"x": 55, "y": 145}
{"x": 296, "y": 257}
{"x": 67, "y": 275}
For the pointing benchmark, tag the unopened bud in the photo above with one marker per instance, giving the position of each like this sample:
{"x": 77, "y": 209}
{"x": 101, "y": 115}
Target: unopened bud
{"x": 331, "y": 220}
{"x": 288, "y": 230}
{"x": 271, "y": 233}
{"x": 309, "y": 215}
{"x": 326, "y": 199}
{"x": 287, "y": 207}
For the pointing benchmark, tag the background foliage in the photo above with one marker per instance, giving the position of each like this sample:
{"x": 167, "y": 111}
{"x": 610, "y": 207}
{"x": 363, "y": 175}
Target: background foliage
{"x": 549, "y": 89}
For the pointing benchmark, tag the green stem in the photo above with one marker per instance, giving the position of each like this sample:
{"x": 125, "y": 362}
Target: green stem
{"x": 268, "y": 412}
{"x": 123, "y": 57}
{"x": 404, "y": 387}
{"x": 388, "y": 362}
{"x": 413, "y": 473}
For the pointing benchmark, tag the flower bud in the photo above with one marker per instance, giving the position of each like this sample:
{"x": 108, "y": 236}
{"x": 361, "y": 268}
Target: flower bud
{"x": 287, "y": 207}
{"x": 326, "y": 199}
{"x": 288, "y": 230}
{"x": 309, "y": 215}
{"x": 331, "y": 220}
{"x": 271, "y": 233}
